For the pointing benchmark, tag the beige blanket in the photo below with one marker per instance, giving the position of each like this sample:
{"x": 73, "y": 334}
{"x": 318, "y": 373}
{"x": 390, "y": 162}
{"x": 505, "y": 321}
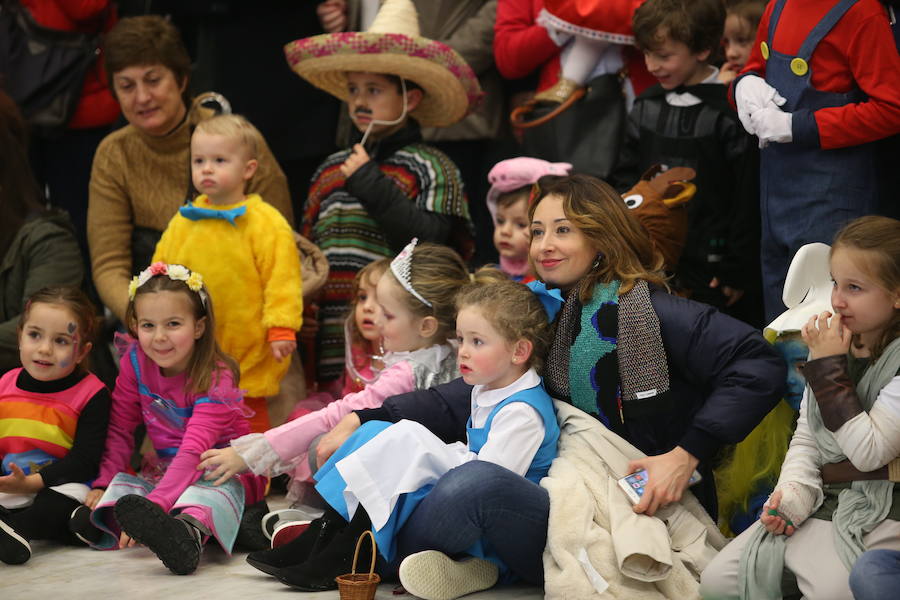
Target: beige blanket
{"x": 597, "y": 547}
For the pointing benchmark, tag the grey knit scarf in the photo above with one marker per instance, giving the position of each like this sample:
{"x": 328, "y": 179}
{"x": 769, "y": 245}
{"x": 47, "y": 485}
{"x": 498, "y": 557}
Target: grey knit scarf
{"x": 643, "y": 371}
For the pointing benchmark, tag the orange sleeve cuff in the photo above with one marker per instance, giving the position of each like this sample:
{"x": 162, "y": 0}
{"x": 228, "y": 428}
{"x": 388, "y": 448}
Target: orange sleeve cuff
{"x": 281, "y": 334}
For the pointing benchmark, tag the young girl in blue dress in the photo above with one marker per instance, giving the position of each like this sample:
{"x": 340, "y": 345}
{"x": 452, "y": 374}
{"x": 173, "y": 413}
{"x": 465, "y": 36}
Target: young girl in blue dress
{"x": 380, "y": 474}
{"x": 53, "y": 418}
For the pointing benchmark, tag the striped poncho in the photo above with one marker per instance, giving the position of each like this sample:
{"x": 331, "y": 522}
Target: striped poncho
{"x": 341, "y": 223}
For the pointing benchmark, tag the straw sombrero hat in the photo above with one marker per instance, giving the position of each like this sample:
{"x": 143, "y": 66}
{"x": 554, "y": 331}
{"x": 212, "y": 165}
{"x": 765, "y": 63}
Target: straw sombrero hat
{"x": 391, "y": 45}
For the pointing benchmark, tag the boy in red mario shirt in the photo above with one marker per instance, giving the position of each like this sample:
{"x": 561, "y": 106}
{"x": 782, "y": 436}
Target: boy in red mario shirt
{"x": 821, "y": 85}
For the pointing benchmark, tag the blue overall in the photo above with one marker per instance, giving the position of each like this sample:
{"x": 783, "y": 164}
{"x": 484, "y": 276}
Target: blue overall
{"x": 806, "y": 193}
{"x": 331, "y": 485}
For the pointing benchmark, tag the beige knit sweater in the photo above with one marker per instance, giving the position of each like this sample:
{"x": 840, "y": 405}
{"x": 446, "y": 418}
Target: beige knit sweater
{"x": 141, "y": 180}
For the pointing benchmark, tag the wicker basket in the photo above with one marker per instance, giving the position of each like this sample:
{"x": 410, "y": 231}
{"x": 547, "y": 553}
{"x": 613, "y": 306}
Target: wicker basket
{"x": 359, "y": 586}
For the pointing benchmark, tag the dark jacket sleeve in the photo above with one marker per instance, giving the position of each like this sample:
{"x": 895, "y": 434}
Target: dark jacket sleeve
{"x": 398, "y": 216}
{"x": 741, "y": 256}
{"x": 82, "y": 462}
{"x": 443, "y": 409}
{"x": 627, "y": 170}
{"x": 737, "y": 374}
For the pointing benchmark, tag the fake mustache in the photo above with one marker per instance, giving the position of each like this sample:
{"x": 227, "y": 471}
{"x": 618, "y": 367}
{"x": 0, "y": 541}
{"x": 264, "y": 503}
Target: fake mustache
{"x": 362, "y": 111}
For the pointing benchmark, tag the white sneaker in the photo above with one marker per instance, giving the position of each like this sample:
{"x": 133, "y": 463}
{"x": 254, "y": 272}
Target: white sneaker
{"x": 433, "y": 575}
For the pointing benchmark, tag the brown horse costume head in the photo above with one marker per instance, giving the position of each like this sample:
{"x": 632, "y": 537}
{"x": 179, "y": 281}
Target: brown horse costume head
{"x": 659, "y": 201}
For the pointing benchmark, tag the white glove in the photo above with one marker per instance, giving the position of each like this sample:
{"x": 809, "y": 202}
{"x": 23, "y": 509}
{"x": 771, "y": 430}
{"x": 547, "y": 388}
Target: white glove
{"x": 772, "y": 124}
{"x": 751, "y": 94}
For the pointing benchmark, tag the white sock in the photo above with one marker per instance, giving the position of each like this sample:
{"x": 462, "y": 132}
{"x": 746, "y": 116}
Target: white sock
{"x": 579, "y": 58}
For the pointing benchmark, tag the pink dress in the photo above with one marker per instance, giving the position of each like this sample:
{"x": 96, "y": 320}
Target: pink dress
{"x": 180, "y": 425}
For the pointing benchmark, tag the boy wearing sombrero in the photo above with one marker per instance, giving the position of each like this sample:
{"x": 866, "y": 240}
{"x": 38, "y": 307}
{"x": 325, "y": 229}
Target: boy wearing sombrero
{"x": 366, "y": 202}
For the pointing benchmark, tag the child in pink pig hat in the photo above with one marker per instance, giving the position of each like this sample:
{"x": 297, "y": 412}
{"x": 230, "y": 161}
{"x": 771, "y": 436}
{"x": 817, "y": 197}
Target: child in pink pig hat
{"x": 511, "y": 182}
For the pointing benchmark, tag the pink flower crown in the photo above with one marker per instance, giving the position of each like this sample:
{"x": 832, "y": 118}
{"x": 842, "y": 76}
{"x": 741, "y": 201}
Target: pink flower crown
{"x": 193, "y": 279}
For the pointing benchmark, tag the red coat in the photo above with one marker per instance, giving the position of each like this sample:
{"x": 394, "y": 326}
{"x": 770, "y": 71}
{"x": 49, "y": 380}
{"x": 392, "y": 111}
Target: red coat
{"x": 858, "y": 51}
{"x": 521, "y": 46}
{"x": 97, "y": 106}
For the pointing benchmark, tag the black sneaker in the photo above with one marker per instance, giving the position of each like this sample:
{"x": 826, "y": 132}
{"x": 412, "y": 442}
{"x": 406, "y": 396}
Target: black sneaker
{"x": 81, "y": 526}
{"x": 14, "y": 549}
{"x": 250, "y": 534}
{"x": 174, "y": 541}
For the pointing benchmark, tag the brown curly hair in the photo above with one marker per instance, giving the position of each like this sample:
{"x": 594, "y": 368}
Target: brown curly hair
{"x": 512, "y": 309}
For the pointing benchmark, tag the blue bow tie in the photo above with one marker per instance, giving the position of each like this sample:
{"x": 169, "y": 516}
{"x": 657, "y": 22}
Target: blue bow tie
{"x": 195, "y": 213}
{"x": 551, "y": 299}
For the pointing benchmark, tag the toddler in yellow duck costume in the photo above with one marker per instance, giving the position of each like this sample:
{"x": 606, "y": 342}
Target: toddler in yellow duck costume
{"x": 246, "y": 252}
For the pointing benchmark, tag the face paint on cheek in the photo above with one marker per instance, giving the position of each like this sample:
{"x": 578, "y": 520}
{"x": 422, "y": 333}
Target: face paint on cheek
{"x": 74, "y": 357}
{"x": 794, "y": 352}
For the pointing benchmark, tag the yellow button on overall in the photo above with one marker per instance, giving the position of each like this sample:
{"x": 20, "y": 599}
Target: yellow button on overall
{"x": 764, "y": 48}
{"x": 799, "y": 67}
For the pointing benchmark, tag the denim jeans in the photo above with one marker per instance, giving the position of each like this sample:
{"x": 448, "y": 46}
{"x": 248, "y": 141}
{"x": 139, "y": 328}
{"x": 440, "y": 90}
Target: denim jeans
{"x": 481, "y": 499}
{"x": 876, "y": 575}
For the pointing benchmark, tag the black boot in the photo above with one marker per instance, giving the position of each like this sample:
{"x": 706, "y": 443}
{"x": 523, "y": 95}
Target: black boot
{"x": 250, "y": 536}
{"x": 176, "y": 542}
{"x": 317, "y": 574}
{"x": 312, "y": 541}
{"x": 14, "y": 548}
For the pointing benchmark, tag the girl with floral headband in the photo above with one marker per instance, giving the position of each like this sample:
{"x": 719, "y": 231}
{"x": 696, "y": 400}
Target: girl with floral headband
{"x": 418, "y": 317}
{"x": 174, "y": 378}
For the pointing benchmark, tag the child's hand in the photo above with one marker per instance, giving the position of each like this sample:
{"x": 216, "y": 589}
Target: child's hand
{"x": 93, "y": 498}
{"x": 126, "y": 541}
{"x": 752, "y": 94}
{"x": 728, "y": 71}
{"x": 18, "y": 482}
{"x": 772, "y": 124}
{"x": 223, "y": 463}
{"x": 281, "y": 349}
{"x": 357, "y": 158}
{"x": 332, "y": 440}
{"x": 731, "y": 294}
{"x": 772, "y": 520}
{"x": 332, "y": 15}
{"x": 668, "y": 476}
{"x": 826, "y": 339}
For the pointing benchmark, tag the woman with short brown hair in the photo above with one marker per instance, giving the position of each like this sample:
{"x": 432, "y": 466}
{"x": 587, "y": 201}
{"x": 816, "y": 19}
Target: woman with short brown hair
{"x": 141, "y": 173}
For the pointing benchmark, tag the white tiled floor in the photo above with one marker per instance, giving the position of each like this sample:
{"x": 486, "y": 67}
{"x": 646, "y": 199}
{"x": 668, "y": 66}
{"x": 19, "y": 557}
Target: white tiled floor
{"x": 60, "y": 573}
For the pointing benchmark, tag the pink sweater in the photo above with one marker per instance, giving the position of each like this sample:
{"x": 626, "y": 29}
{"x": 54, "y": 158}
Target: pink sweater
{"x": 211, "y": 420}
{"x": 291, "y": 441}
